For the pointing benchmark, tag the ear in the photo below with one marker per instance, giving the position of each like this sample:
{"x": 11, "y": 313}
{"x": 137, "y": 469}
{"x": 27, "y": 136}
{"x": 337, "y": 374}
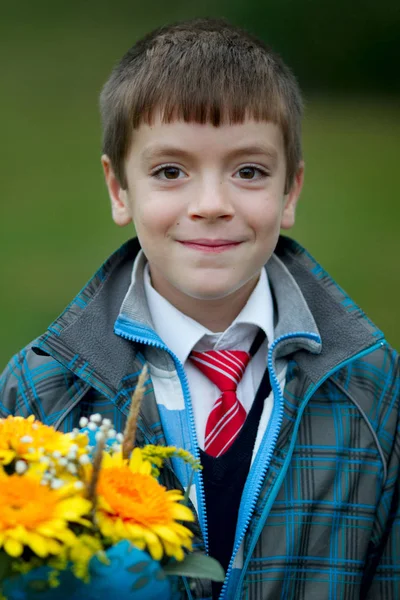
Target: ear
{"x": 291, "y": 199}
{"x": 120, "y": 206}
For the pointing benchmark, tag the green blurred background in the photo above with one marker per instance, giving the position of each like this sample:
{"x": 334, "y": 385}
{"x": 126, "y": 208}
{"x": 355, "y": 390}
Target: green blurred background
{"x": 55, "y": 225}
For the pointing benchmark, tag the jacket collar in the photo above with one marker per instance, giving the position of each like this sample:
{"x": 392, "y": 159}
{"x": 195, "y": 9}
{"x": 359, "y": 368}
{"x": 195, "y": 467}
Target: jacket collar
{"x": 345, "y": 330}
{"x": 82, "y": 338}
{"x": 84, "y": 335}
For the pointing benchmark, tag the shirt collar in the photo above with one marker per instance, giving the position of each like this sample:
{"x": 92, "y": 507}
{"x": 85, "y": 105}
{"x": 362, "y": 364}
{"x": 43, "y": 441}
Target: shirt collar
{"x": 257, "y": 313}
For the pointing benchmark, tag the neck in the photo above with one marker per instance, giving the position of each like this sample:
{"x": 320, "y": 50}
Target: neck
{"x": 214, "y": 314}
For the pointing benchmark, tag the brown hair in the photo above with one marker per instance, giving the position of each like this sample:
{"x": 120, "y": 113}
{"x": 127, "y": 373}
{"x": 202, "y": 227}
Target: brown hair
{"x": 203, "y": 71}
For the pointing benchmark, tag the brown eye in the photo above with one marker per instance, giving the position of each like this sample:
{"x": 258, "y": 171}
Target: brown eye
{"x": 171, "y": 172}
{"x": 248, "y": 172}
{"x": 251, "y": 173}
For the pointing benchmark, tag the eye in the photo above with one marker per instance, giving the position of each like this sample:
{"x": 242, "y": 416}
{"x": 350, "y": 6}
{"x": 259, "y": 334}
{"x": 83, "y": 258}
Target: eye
{"x": 167, "y": 172}
{"x": 250, "y": 172}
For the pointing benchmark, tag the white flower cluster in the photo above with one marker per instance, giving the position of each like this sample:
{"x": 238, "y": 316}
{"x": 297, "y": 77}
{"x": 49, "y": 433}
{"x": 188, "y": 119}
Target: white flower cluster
{"x": 104, "y": 430}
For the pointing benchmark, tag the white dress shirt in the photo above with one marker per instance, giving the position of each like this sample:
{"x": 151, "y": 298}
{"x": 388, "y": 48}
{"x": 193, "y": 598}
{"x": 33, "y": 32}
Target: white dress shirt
{"x": 182, "y": 335}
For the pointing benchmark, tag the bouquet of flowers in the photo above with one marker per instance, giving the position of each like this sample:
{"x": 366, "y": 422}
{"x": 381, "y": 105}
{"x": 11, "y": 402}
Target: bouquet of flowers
{"x": 84, "y": 512}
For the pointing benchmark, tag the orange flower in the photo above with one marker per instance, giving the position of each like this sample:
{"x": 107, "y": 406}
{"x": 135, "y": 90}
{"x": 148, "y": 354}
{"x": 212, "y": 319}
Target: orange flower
{"x": 34, "y": 515}
{"x": 132, "y": 505}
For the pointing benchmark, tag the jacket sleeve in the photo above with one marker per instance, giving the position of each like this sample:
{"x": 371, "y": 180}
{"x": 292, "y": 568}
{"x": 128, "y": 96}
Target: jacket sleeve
{"x": 11, "y": 386}
{"x": 382, "y": 575}
{"x": 23, "y": 380}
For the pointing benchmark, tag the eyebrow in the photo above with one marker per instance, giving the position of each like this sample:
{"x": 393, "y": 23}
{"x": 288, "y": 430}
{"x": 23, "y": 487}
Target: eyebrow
{"x": 265, "y": 150}
{"x": 155, "y": 152}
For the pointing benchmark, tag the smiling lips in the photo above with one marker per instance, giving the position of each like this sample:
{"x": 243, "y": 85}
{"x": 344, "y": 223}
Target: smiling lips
{"x": 206, "y": 245}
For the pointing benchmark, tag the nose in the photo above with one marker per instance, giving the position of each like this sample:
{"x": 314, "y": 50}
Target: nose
{"x": 211, "y": 201}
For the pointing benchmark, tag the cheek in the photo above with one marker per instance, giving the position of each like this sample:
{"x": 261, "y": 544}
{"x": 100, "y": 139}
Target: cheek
{"x": 154, "y": 219}
{"x": 265, "y": 216}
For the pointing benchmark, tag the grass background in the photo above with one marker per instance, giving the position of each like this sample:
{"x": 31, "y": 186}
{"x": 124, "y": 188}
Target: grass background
{"x": 55, "y": 224}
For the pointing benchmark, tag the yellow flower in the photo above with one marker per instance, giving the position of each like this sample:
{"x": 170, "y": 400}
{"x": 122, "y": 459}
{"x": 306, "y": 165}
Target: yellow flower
{"x": 29, "y": 439}
{"x": 132, "y": 505}
{"x": 33, "y": 515}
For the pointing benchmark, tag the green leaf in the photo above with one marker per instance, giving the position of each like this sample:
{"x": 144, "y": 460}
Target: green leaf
{"x": 197, "y": 565}
{"x": 5, "y": 565}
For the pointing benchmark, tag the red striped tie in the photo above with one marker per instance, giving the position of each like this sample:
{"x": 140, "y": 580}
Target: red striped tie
{"x": 225, "y": 368}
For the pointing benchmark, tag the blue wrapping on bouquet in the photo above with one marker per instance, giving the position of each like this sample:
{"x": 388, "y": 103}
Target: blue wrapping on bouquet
{"x": 130, "y": 574}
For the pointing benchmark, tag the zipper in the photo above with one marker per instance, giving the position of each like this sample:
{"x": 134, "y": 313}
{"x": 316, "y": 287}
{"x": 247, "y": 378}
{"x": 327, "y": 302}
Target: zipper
{"x": 285, "y": 466}
{"x": 269, "y": 442}
{"x": 150, "y": 338}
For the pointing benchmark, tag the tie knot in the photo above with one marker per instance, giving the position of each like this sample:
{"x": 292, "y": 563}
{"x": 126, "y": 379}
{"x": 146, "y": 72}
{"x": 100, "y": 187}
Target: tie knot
{"x": 225, "y": 368}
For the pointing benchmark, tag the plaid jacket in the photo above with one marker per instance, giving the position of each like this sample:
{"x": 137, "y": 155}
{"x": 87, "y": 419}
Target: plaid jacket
{"x": 320, "y": 516}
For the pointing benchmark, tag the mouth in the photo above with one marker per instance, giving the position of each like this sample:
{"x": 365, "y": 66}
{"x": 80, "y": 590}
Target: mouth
{"x": 207, "y": 245}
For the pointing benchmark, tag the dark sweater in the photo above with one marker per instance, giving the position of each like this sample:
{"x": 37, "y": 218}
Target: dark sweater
{"x": 224, "y": 479}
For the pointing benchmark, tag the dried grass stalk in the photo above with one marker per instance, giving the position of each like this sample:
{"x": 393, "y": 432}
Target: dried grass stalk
{"x": 97, "y": 460}
{"x": 131, "y": 423}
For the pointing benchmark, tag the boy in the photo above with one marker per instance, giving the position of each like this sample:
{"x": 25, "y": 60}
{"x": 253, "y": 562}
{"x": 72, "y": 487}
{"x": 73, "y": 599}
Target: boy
{"x": 259, "y": 363}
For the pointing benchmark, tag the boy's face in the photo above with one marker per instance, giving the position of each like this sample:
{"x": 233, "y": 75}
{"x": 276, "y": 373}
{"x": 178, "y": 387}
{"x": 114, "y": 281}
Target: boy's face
{"x": 207, "y": 203}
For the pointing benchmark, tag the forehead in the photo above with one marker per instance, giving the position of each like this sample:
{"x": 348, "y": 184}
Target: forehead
{"x": 152, "y": 141}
